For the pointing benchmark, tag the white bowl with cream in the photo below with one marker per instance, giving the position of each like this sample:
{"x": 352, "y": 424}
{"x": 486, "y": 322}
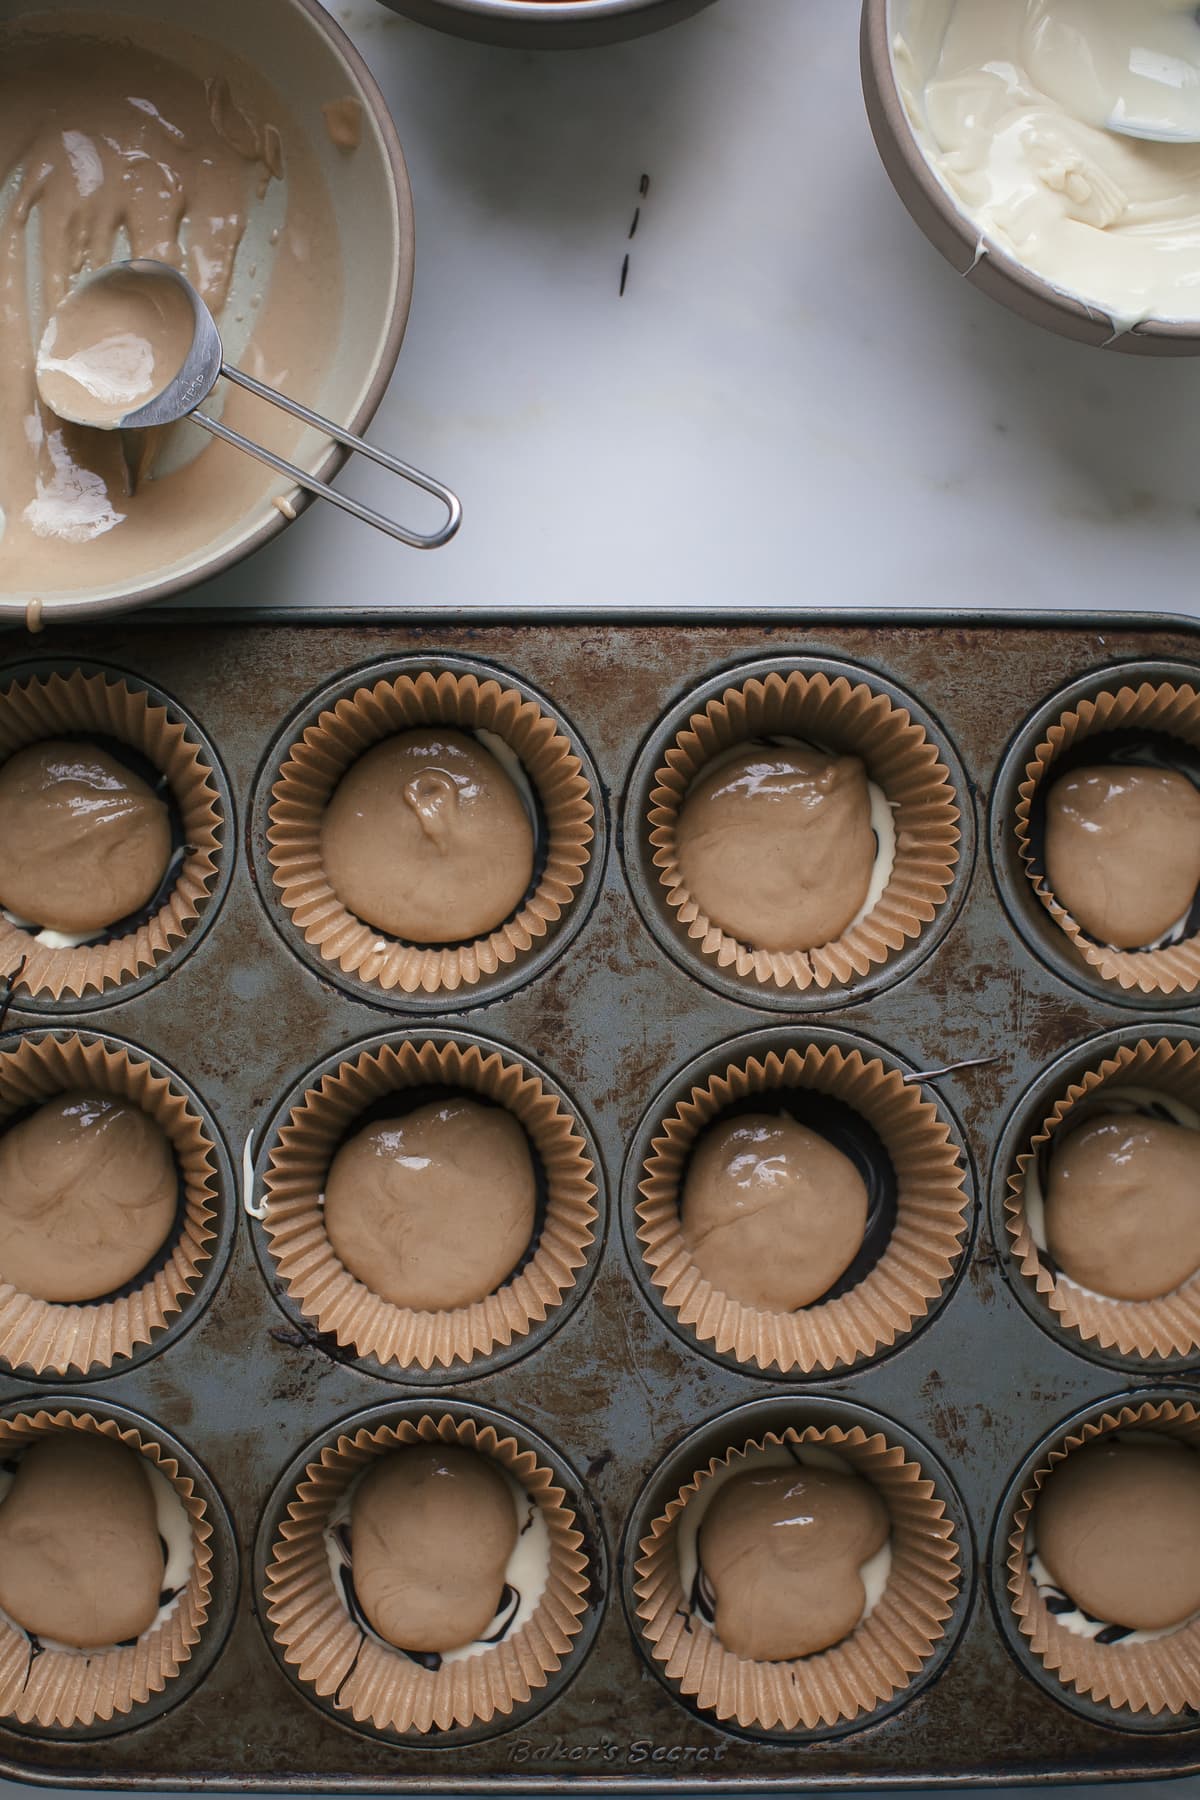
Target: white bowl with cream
{"x": 258, "y": 152}
{"x": 990, "y": 117}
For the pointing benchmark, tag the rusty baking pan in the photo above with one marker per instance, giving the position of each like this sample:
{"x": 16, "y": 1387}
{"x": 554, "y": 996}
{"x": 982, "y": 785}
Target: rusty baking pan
{"x": 600, "y": 1014}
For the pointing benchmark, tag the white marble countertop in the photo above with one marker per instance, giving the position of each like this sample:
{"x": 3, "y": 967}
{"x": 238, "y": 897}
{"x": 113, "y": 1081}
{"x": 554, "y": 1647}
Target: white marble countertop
{"x": 795, "y": 403}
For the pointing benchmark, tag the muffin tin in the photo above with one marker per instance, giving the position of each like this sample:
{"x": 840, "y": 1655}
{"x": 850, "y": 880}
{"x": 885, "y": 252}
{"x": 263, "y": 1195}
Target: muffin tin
{"x": 619, "y": 1401}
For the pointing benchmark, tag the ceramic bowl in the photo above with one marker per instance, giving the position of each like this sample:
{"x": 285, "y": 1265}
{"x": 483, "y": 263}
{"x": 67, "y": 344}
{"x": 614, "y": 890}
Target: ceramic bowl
{"x": 952, "y": 231}
{"x": 309, "y": 61}
{"x": 548, "y": 24}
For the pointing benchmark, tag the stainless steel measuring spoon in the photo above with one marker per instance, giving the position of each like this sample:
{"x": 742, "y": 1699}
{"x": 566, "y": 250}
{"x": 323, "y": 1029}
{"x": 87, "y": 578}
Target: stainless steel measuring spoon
{"x": 91, "y": 389}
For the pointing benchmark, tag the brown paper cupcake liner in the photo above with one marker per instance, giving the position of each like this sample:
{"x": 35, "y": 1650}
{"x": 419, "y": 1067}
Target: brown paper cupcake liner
{"x": 1149, "y": 1328}
{"x": 866, "y": 1670}
{"x": 65, "y": 1689}
{"x": 47, "y": 707}
{"x": 931, "y": 1216}
{"x": 1161, "y": 1676}
{"x": 1168, "y": 708}
{"x": 383, "y": 1687}
{"x": 54, "y": 1339}
{"x": 339, "y": 737}
{"x": 336, "y": 1301}
{"x": 899, "y": 757}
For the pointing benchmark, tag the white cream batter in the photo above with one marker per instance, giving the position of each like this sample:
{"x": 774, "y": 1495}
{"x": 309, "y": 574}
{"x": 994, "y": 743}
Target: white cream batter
{"x": 1009, "y": 101}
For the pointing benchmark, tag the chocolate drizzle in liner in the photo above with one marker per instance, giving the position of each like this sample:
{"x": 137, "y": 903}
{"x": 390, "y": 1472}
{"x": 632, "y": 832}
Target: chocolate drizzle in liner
{"x": 1124, "y": 749}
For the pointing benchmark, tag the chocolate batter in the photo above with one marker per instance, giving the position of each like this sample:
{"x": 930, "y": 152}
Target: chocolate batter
{"x": 1123, "y": 851}
{"x": 86, "y": 841}
{"x": 1122, "y": 1205}
{"x": 426, "y": 838}
{"x": 772, "y": 1213}
{"x": 88, "y": 1197}
{"x": 432, "y": 1529}
{"x": 1118, "y": 1528}
{"x": 435, "y": 1209}
{"x": 784, "y": 1551}
{"x": 121, "y": 137}
{"x": 80, "y": 1558}
{"x": 776, "y": 845}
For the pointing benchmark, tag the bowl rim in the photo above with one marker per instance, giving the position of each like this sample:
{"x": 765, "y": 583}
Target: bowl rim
{"x": 85, "y": 606}
{"x": 554, "y": 12}
{"x": 883, "y": 97}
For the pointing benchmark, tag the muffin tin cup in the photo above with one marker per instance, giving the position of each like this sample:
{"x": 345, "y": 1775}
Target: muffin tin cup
{"x": 43, "y": 1338}
{"x": 356, "y": 1678}
{"x": 94, "y": 1693}
{"x": 917, "y": 1266}
{"x": 53, "y": 701}
{"x": 400, "y": 1341}
{"x": 843, "y": 710}
{"x": 901, "y": 1644}
{"x": 1142, "y": 1687}
{"x": 345, "y": 723}
{"x": 1170, "y": 707}
{"x": 1140, "y": 1330}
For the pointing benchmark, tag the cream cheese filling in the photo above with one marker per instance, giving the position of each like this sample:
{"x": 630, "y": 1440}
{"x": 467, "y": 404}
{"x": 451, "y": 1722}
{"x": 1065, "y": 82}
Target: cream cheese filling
{"x": 1008, "y": 101}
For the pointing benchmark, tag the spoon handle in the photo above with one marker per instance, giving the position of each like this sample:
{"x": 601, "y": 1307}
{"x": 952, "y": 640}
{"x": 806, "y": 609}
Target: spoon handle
{"x": 418, "y": 540}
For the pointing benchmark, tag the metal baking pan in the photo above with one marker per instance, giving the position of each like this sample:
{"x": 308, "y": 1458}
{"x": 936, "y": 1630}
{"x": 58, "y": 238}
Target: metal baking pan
{"x": 614, "y": 1389}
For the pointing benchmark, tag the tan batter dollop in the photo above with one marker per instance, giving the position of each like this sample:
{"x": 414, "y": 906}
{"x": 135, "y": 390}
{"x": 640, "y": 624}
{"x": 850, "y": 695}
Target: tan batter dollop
{"x": 86, "y": 841}
{"x": 1123, "y": 851}
{"x": 1118, "y": 1528}
{"x": 431, "y": 1532}
{"x": 88, "y": 1197}
{"x": 772, "y": 1213}
{"x": 1123, "y": 1205}
{"x": 783, "y": 1551}
{"x": 80, "y": 1558}
{"x": 776, "y": 846}
{"x": 426, "y": 838}
{"x": 435, "y": 1209}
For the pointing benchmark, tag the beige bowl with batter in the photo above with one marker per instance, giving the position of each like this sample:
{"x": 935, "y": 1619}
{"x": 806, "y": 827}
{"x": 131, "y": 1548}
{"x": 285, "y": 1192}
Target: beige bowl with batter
{"x": 336, "y": 350}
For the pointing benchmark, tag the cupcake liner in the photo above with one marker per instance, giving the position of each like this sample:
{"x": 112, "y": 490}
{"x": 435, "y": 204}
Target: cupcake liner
{"x": 48, "y": 1338}
{"x": 382, "y": 1687}
{"x": 1170, "y": 708}
{"x": 899, "y": 757}
{"x": 920, "y": 1257}
{"x": 335, "y": 1300}
{"x": 865, "y": 1671}
{"x": 1166, "y": 1327}
{"x": 1158, "y": 1677}
{"x": 317, "y": 762}
{"x": 66, "y": 1689}
{"x": 49, "y": 706}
